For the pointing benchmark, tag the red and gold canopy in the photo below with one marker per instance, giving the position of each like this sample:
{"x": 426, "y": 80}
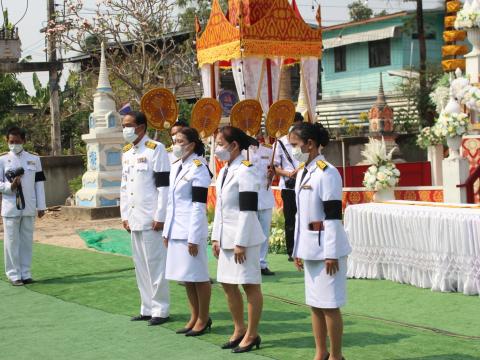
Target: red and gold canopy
{"x": 266, "y": 28}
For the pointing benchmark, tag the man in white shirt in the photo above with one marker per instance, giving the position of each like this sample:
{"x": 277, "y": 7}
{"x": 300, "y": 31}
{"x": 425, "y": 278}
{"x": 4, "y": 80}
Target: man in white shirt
{"x": 143, "y": 206}
{"x": 287, "y": 167}
{"x": 23, "y": 198}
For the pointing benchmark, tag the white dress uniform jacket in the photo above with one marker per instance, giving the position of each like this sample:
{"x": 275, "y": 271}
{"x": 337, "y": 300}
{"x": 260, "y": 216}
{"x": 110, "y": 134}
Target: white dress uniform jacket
{"x": 281, "y": 160}
{"x": 261, "y": 158}
{"x": 32, "y": 184}
{"x": 186, "y": 217}
{"x": 145, "y": 180}
{"x": 319, "y": 199}
{"x": 236, "y": 221}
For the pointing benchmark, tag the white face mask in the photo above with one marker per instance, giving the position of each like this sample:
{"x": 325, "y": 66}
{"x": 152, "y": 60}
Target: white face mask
{"x": 174, "y": 138}
{"x": 15, "y": 148}
{"x": 178, "y": 151}
{"x": 129, "y": 134}
{"x": 222, "y": 153}
{"x": 298, "y": 155}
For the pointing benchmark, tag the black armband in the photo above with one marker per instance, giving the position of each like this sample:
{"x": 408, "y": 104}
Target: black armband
{"x": 248, "y": 201}
{"x": 333, "y": 209}
{"x": 199, "y": 194}
{"x": 40, "y": 176}
{"x": 162, "y": 179}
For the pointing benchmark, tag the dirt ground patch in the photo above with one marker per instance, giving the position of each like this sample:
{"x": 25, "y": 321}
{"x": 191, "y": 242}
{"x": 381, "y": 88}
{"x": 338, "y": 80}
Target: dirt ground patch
{"x": 55, "y": 229}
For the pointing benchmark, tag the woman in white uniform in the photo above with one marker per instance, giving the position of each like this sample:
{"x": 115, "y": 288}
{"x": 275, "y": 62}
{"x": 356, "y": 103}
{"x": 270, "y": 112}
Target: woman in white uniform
{"x": 186, "y": 228}
{"x": 237, "y": 237}
{"x": 321, "y": 244}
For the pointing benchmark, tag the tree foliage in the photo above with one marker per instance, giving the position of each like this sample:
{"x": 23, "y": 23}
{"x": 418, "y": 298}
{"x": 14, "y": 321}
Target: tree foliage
{"x": 199, "y": 8}
{"x": 359, "y": 11}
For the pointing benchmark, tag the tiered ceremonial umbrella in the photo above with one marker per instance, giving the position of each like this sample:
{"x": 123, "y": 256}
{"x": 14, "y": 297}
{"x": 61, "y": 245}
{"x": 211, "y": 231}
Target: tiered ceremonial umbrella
{"x": 451, "y": 51}
{"x": 258, "y": 38}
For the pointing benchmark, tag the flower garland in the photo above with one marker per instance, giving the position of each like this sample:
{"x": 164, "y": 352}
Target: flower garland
{"x": 469, "y": 16}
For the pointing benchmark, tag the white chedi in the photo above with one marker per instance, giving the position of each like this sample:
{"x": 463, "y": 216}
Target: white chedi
{"x": 382, "y": 174}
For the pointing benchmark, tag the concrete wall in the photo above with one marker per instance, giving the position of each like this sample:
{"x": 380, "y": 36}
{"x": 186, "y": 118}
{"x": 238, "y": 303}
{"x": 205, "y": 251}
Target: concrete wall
{"x": 58, "y": 171}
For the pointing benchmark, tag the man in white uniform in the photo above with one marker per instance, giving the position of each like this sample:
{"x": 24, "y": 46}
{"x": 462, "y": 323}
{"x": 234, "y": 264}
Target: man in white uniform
{"x": 23, "y": 197}
{"x": 143, "y": 205}
{"x": 261, "y": 157}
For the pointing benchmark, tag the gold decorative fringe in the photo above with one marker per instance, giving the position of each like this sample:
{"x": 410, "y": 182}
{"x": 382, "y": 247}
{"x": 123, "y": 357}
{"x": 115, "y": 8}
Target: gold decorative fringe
{"x": 449, "y": 21}
{"x": 453, "y": 64}
{"x": 454, "y": 35}
{"x": 453, "y": 50}
{"x": 453, "y": 6}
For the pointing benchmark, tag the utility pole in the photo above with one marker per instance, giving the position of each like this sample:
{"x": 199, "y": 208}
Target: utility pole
{"x": 54, "y": 86}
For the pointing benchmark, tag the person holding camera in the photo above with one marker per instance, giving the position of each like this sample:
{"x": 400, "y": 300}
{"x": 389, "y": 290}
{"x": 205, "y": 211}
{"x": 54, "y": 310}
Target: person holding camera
{"x": 23, "y": 197}
{"x": 286, "y": 166}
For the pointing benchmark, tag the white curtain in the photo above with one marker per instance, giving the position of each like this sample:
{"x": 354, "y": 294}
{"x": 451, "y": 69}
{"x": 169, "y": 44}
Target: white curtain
{"x": 307, "y": 99}
{"x": 206, "y": 71}
{"x": 247, "y": 76}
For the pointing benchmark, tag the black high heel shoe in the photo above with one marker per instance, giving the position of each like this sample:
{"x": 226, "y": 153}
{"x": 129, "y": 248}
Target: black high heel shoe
{"x": 200, "y": 332}
{"x": 183, "y": 331}
{"x": 234, "y": 343}
{"x": 249, "y": 347}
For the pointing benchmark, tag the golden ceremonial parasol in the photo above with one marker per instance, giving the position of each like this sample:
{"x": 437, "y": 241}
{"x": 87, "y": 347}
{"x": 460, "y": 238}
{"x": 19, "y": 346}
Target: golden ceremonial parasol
{"x": 206, "y": 115}
{"x": 247, "y": 116}
{"x": 160, "y": 107}
{"x": 279, "y": 119}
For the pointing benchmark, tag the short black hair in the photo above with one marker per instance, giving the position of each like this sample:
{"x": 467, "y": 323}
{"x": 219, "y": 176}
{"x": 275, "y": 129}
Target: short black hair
{"x": 232, "y": 134}
{"x": 181, "y": 123}
{"x": 298, "y": 117}
{"x": 315, "y": 132}
{"x": 16, "y": 131}
{"x": 140, "y": 117}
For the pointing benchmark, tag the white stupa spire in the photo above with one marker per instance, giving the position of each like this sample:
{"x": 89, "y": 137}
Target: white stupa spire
{"x": 103, "y": 81}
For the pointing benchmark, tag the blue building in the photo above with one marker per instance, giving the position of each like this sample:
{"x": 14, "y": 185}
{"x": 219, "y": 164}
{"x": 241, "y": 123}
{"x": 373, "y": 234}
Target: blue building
{"x": 356, "y": 53}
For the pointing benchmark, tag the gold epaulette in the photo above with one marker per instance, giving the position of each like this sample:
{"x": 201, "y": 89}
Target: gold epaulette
{"x": 267, "y": 146}
{"x": 169, "y": 149}
{"x": 301, "y": 166}
{"x": 247, "y": 163}
{"x": 322, "y": 165}
{"x": 127, "y": 147}
{"x": 33, "y": 153}
{"x": 151, "y": 145}
{"x": 197, "y": 163}
{"x": 4, "y": 153}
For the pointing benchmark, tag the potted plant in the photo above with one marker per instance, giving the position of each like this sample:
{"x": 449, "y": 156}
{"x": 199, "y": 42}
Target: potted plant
{"x": 382, "y": 176}
{"x": 10, "y": 45}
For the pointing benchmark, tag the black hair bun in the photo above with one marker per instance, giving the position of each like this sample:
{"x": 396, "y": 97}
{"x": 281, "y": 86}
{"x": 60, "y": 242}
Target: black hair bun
{"x": 323, "y": 137}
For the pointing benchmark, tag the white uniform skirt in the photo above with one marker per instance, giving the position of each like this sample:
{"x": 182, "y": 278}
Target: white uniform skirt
{"x": 229, "y": 272}
{"x": 322, "y": 290}
{"x": 181, "y": 266}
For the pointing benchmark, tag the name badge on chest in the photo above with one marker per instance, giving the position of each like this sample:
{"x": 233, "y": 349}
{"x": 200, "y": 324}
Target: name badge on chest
{"x": 306, "y": 187}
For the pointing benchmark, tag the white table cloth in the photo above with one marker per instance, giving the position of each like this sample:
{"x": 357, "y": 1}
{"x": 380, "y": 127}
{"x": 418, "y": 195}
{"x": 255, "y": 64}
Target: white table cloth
{"x": 426, "y": 245}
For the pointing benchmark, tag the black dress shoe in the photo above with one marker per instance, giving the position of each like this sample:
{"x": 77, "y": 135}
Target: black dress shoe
{"x": 28, "y": 281}
{"x": 183, "y": 331}
{"x": 158, "y": 321}
{"x": 290, "y": 258}
{"x": 327, "y": 356}
{"x": 141, "y": 318}
{"x": 249, "y": 347}
{"x": 233, "y": 344}
{"x": 17, "y": 282}
{"x": 201, "y": 332}
{"x": 267, "y": 272}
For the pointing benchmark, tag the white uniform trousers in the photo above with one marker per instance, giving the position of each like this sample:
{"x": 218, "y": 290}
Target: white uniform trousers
{"x": 265, "y": 218}
{"x": 150, "y": 256}
{"x": 17, "y": 245}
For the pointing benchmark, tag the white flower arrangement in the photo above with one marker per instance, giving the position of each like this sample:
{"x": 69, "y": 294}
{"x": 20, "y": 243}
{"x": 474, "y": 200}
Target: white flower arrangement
{"x": 469, "y": 16}
{"x": 451, "y": 125}
{"x": 429, "y": 137}
{"x": 472, "y": 98}
{"x": 382, "y": 174}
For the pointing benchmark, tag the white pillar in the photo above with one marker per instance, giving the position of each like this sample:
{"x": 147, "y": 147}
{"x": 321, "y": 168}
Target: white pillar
{"x": 455, "y": 172}
{"x": 435, "y": 157}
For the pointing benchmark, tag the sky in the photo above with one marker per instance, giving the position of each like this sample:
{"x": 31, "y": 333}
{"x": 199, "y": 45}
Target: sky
{"x": 33, "y": 42}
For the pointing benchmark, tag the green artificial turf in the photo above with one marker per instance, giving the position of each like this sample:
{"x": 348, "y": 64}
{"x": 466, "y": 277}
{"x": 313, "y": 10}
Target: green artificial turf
{"x": 107, "y": 283}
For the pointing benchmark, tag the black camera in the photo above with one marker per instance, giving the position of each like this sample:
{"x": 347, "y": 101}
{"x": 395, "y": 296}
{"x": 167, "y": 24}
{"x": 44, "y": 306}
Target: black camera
{"x": 12, "y": 174}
